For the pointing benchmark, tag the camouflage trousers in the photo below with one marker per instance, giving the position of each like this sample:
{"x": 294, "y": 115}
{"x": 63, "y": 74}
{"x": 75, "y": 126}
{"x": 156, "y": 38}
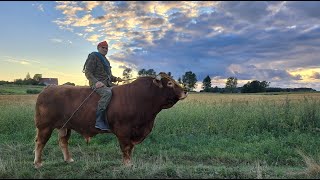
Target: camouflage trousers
{"x": 105, "y": 97}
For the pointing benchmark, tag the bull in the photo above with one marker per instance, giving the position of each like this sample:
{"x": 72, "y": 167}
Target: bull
{"x": 131, "y": 113}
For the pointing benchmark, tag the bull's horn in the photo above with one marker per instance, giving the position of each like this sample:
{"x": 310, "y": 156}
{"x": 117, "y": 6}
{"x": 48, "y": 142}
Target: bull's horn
{"x": 158, "y": 77}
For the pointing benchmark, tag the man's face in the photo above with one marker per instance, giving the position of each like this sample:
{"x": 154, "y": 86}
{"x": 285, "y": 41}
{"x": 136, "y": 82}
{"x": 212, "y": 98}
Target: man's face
{"x": 103, "y": 49}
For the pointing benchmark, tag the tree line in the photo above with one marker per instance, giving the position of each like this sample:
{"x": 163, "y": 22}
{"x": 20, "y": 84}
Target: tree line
{"x": 26, "y": 81}
{"x": 231, "y": 86}
{"x": 30, "y": 81}
{"x": 254, "y": 86}
{"x": 187, "y": 80}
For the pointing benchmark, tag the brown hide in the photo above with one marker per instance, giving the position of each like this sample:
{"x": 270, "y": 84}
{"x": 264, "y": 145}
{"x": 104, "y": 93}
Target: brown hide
{"x": 131, "y": 112}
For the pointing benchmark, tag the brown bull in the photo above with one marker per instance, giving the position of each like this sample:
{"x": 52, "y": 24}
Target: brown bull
{"x": 131, "y": 112}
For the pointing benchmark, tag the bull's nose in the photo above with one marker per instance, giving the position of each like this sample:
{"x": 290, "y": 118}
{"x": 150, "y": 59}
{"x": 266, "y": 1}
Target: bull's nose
{"x": 183, "y": 95}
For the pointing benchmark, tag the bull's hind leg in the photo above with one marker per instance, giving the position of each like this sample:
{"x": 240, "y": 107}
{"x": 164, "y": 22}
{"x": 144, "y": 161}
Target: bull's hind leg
{"x": 42, "y": 138}
{"x": 64, "y": 135}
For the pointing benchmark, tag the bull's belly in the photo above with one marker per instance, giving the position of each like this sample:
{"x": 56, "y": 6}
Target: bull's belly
{"x": 139, "y": 134}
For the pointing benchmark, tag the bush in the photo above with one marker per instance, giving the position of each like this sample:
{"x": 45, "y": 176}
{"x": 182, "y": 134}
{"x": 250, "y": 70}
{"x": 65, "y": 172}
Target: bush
{"x": 33, "y": 91}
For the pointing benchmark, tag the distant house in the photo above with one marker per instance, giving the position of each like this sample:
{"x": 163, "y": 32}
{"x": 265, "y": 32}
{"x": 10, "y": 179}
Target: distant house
{"x": 48, "y": 81}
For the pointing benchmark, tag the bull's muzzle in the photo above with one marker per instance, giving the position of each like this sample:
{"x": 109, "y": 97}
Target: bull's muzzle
{"x": 183, "y": 95}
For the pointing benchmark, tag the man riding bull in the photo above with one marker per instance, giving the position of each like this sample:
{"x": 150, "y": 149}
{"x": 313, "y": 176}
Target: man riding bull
{"x": 98, "y": 71}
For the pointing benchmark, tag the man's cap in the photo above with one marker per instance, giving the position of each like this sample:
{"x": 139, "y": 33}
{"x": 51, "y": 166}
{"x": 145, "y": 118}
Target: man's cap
{"x": 103, "y": 43}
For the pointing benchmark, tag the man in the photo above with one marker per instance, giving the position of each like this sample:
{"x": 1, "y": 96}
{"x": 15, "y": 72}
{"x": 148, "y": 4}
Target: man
{"x": 98, "y": 71}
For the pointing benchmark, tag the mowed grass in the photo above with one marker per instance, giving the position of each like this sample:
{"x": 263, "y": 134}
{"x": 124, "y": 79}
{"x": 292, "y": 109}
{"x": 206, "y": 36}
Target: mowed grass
{"x": 204, "y": 136}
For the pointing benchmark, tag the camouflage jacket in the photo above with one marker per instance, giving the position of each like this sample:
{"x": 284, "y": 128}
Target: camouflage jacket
{"x": 95, "y": 71}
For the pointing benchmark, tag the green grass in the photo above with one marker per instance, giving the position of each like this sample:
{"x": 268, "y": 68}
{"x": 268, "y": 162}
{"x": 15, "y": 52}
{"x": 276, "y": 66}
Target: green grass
{"x": 19, "y": 89}
{"x": 203, "y": 136}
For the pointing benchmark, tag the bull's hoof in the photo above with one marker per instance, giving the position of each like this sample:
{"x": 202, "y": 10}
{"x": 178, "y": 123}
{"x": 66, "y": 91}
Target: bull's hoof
{"x": 69, "y": 160}
{"x": 127, "y": 164}
{"x": 37, "y": 165}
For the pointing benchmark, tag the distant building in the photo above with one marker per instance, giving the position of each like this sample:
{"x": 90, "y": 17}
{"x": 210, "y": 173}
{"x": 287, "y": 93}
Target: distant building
{"x": 48, "y": 81}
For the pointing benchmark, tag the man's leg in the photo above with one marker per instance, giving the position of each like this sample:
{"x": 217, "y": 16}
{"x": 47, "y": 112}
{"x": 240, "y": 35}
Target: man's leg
{"x": 101, "y": 118}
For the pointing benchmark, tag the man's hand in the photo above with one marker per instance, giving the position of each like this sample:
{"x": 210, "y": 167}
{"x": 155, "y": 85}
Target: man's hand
{"x": 119, "y": 79}
{"x": 99, "y": 84}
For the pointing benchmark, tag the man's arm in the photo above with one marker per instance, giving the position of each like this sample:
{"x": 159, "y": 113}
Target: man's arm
{"x": 90, "y": 68}
{"x": 115, "y": 79}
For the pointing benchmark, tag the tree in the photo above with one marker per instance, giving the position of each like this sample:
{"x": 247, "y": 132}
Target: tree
{"x": 189, "y": 80}
{"x": 27, "y": 77}
{"x": 69, "y": 83}
{"x": 169, "y": 74}
{"x": 206, "y": 84}
{"x": 28, "y": 80}
{"x": 231, "y": 84}
{"x": 151, "y": 72}
{"x": 37, "y": 77}
{"x": 18, "y": 81}
{"x": 5, "y": 82}
{"x": 216, "y": 89}
{"x": 127, "y": 75}
{"x": 144, "y": 72}
{"x": 255, "y": 86}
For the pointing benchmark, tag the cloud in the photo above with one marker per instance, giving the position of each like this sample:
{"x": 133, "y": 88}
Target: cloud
{"x": 252, "y": 40}
{"x": 19, "y": 61}
{"x": 310, "y": 9}
{"x": 248, "y": 72}
{"x": 93, "y": 38}
{"x": 39, "y": 7}
{"x": 244, "y": 10}
{"x": 69, "y": 8}
{"x": 88, "y": 20}
{"x": 123, "y": 67}
{"x": 89, "y": 29}
{"x": 315, "y": 75}
{"x": 89, "y": 5}
{"x": 56, "y": 40}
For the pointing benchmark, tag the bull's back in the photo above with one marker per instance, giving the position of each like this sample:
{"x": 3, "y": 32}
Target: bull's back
{"x": 55, "y": 104}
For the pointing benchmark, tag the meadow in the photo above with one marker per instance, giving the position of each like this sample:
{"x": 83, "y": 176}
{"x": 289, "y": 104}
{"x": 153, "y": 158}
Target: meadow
{"x": 236, "y": 136}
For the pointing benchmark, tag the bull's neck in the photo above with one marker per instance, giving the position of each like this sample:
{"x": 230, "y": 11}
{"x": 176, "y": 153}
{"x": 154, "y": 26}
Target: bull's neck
{"x": 155, "y": 100}
{"x": 151, "y": 95}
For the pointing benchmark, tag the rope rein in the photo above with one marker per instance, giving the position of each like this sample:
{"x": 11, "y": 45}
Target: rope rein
{"x": 78, "y": 108}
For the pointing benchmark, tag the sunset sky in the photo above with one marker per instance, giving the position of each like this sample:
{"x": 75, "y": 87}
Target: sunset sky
{"x": 275, "y": 41}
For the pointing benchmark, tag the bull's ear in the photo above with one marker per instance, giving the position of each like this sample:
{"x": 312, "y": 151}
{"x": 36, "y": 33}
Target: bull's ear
{"x": 158, "y": 83}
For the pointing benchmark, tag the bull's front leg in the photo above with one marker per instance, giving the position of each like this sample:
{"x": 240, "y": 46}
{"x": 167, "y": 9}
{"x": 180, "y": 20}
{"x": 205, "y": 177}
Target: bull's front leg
{"x": 126, "y": 147}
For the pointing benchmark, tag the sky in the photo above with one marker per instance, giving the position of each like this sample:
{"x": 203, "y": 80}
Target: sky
{"x": 275, "y": 41}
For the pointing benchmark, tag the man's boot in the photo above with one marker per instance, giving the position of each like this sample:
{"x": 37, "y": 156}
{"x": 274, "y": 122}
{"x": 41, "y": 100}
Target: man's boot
{"x": 101, "y": 122}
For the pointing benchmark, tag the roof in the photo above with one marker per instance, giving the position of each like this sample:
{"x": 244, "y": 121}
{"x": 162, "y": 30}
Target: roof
{"x": 48, "y": 81}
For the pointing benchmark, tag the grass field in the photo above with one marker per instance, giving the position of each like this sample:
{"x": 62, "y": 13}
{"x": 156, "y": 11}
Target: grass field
{"x": 204, "y": 136}
{"x": 19, "y": 89}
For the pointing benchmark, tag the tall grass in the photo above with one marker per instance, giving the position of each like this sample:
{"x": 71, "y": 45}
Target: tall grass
{"x": 203, "y": 136}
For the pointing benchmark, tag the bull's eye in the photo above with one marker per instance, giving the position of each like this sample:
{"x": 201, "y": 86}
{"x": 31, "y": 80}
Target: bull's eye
{"x": 170, "y": 84}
